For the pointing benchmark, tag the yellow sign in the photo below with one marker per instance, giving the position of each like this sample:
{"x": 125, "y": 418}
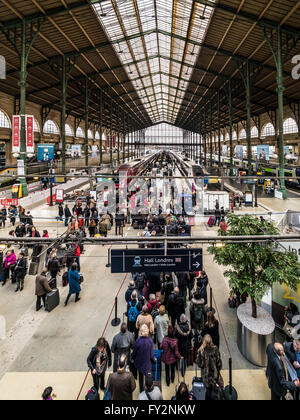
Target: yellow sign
{"x": 291, "y": 296}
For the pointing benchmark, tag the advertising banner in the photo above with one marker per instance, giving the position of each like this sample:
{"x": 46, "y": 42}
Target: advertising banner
{"x": 16, "y": 131}
{"x": 239, "y": 152}
{"x": 263, "y": 153}
{"x": 6, "y": 202}
{"x": 224, "y": 150}
{"x": 29, "y": 133}
{"x": 45, "y": 152}
{"x": 59, "y": 196}
{"x": 76, "y": 151}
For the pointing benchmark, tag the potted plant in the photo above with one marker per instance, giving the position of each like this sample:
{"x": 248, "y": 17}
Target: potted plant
{"x": 253, "y": 267}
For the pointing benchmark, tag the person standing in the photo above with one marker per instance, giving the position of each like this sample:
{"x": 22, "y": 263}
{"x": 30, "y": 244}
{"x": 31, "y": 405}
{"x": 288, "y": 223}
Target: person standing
{"x": 210, "y": 363}
{"x": 143, "y": 355}
{"x": 151, "y": 392}
{"x": 68, "y": 215}
{"x": 60, "y": 212}
{"x": 9, "y": 264}
{"x": 53, "y": 267}
{"x": 277, "y": 373}
{"x": 175, "y": 306}
{"x": 20, "y": 271}
{"x": 133, "y": 310}
{"x": 292, "y": 351}
{"x": 98, "y": 361}
{"x": 121, "y": 384}
{"x": 74, "y": 284}
{"x": 211, "y": 328}
{"x": 170, "y": 354}
{"x": 161, "y": 324}
{"x": 122, "y": 344}
{"x": 41, "y": 288}
{"x": 145, "y": 319}
{"x": 184, "y": 335}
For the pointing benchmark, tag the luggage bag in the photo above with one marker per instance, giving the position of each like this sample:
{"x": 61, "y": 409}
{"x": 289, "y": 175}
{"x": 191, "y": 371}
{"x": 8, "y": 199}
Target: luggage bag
{"x": 156, "y": 369}
{"x": 211, "y": 221}
{"x": 199, "y": 389}
{"x": 52, "y": 300}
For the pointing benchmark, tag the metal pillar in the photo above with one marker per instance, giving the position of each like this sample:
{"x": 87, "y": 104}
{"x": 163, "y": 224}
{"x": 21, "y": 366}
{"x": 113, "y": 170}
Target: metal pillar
{"x": 110, "y": 134}
{"x": 230, "y": 127}
{"x": 124, "y": 137}
{"x": 22, "y": 84}
{"x": 101, "y": 126}
{"x": 63, "y": 114}
{"x": 86, "y": 126}
{"x": 204, "y": 139}
{"x": 119, "y": 126}
{"x": 248, "y": 99}
{"x": 219, "y": 133}
{"x": 211, "y": 139}
{"x": 280, "y": 91}
{"x": 277, "y": 54}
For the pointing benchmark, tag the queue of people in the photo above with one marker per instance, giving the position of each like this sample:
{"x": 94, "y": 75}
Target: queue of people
{"x": 158, "y": 330}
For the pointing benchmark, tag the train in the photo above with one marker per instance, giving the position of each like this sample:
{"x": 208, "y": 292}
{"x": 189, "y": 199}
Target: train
{"x": 292, "y": 172}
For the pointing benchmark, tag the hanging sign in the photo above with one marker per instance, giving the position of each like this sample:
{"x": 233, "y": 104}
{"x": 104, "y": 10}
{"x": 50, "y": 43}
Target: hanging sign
{"x": 29, "y": 134}
{"x": 16, "y": 132}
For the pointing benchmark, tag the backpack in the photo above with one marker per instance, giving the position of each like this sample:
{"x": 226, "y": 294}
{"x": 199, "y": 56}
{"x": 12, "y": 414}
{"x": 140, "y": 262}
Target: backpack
{"x": 155, "y": 312}
{"x": 197, "y": 312}
{"x": 140, "y": 282}
{"x": 93, "y": 223}
{"x": 133, "y": 312}
{"x": 92, "y": 395}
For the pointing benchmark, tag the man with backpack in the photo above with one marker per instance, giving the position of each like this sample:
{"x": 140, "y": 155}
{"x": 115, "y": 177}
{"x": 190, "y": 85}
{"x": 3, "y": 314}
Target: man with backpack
{"x": 140, "y": 279}
{"x": 133, "y": 311}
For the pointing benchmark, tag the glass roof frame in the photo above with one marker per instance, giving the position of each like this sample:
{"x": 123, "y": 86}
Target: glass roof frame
{"x": 174, "y": 58}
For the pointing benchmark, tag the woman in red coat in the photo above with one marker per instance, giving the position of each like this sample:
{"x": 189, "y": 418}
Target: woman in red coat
{"x": 170, "y": 354}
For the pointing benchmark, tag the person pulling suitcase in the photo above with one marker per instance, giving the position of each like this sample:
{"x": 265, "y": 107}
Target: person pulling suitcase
{"x": 41, "y": 289}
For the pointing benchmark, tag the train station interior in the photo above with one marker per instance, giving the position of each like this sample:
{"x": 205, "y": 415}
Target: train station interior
{"x": 149, "y": 184}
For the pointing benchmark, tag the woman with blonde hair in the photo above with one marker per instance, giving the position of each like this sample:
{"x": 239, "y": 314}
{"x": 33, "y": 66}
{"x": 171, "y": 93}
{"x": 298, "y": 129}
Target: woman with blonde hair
{"x": 209, "y": 361}
{"x": 211, "y": 327}
{"x": 145, "y": 319}
{"x": 161, "y": 324}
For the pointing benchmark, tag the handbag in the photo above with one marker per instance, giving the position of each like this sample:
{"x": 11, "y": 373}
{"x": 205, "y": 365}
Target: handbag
{"x": 107, "y": 395}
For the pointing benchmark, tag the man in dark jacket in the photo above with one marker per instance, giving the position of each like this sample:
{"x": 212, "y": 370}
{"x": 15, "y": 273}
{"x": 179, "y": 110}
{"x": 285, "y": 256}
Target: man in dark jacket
{"x": 277, "y": 373}
{"x": 20, "y": 271}
{"x": 68, "y": 215}
{"x": 292, "y": 351}
{"x": 183, "y": 281}
{"x": 175, "y": 306}
{"x": 122, "y": 344}
{"x": 121, "y": 384}
{"x": 54, "y": 267}
{"x": 154, "y": 282}
{"x": 129, "y": 291}
{"x": 60, "y": 212}
{"x": 41, "y": 288}
{"x": 20, "y": 231}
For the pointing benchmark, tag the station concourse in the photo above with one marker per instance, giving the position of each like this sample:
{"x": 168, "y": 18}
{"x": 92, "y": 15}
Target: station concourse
{"x": 134, "y": 138}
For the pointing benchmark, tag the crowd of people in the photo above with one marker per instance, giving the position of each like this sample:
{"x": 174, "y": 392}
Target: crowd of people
{"x": 158, "y": 329}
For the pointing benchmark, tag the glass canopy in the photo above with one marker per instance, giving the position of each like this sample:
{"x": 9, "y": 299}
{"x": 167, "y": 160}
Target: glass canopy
{"x": 155, "y": 41}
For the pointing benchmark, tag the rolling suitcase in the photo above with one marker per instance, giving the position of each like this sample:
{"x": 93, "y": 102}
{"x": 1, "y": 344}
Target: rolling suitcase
{"x": 52, "y": 300}
{"x": 33, "y": 269}
{"x": 211, "y": 221}
{"x": 156, "y": 369}
{"x": 230, "y": 393}
{"x": 199, "y": 389}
